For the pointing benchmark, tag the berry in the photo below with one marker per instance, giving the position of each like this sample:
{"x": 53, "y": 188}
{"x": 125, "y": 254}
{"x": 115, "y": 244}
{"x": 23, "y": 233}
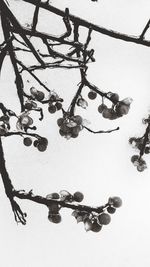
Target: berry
{"x": 28, "y": 105}
{"x": 75, "y": 131}
{"x": 111, "y": 210}
{"x": 60, "y": 122}
{"x": 27, "y": 141}
{"x": 92, "y": 95}
{"x": 114, "y": 98}
{"x": 43, "y": 141}
{"x": 104, "y": 218}
{"x": 78, "y": 196}
{"x": 41, "y": 147}
{"x": 101, "y": 108}
{"x": 39, "y": 96}
{"x": 134, "y": 158}
{"x": 147, "y": 150}
{"x": 52, "y": 109}
{"x": 58, "y": 105}
{"x": 65, "y": 128}
{"x": 55, "y": 218}
{"x": 115, "y": 201}
{"x": 52, "y": 98}
{"x": 141, "y": 168}
{"x": 96, "y": 227}
{"x": 35, "y": 143}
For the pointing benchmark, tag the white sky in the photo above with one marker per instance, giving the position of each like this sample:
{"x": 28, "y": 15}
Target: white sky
{"x": 97, "y": 165}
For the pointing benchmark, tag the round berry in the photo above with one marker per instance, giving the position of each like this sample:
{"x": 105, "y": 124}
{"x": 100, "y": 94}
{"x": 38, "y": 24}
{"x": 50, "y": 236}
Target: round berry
{"x": 52, "y": 109}
{"x": 78, "y": 196}
{"x": 27, "y": 141}
{"x": 39, "y": 95}
{"x": 28, "y": 105}
{"x": 111, "y": 210}
{"x": 114, "y": 98}
{"x": 96, "y": 227}
{"x": 115, "y": 201}
{"x": 92, "y": 95}
{"x": 60, "y": 122}
{"x": 58, "y": 105}
{"x": 101, "y": 108}
{"x": 134, "y": 158}
{"x": 141, "y": 168}
{"x": 104, "y": 218}
{"x": 41, "y": 147}
{"x": 55, "y": 218}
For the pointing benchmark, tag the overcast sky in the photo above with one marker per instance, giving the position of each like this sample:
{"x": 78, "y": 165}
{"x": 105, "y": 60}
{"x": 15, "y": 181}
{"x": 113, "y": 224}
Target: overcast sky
{"x": 97, "y": 165}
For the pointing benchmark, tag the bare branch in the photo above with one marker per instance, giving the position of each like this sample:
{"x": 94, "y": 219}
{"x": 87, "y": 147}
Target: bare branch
{"x": 86, "y": 24}
{"x": 101, "y": 131}
{"x": 5, "y": 10}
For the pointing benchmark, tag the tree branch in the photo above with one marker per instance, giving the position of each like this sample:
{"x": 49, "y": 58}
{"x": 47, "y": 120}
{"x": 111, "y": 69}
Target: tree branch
{"x": 18, "y": 81}
{"x": 86, "y": 24}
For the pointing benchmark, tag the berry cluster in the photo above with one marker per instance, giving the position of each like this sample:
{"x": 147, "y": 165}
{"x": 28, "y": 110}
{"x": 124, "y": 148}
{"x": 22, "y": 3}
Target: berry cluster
{"x": 142, "y": 144}
{"x": 70, "y": 126}
{"x": 40, "y": 143}
{"x": 53, "y": 209}
{"x": 54, "y": 103}
{"x": 53, "y": 100}
{"x": 118, "y": 109}
{"x": 94, "y": 221}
